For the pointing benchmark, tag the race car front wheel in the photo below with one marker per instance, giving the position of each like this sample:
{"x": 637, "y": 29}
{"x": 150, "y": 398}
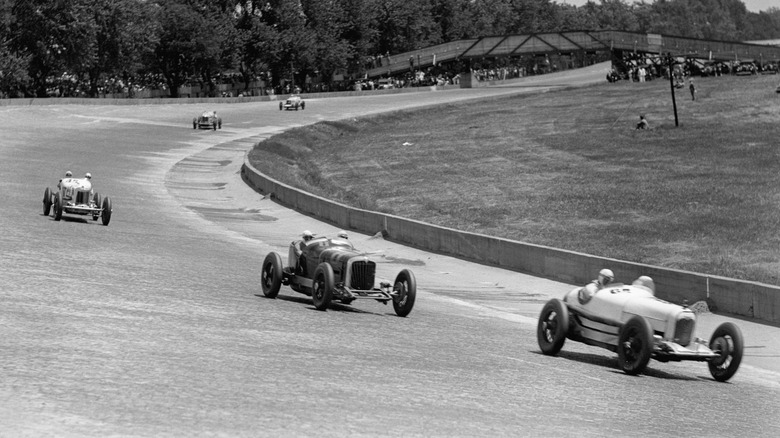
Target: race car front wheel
{"x": 553, "y": 327}
{"x": 271, "y": 275}
{"x": 106, "y": 214}
{"x": 406, "y": 287}
{"x": 727, "y": 341}
{"x": 635, "y": 345}
{"x": 46, "y": 201}
{"x": 57, "y": 207}
{"x": 322, "y": 289}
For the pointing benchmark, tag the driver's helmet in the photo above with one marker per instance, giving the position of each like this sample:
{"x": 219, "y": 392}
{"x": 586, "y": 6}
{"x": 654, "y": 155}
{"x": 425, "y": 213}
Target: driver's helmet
{"x": 307, "y": 235}
{"x": 605, "y": 277}
{"x": 646, "y": 282}
{"x": 343, "y": 234}
{"x": 68, "y": 174}
{"x": 88, "y": 175}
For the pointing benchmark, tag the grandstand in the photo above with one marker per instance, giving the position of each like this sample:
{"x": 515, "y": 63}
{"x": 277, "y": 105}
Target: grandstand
{"x": 572, "y": 42}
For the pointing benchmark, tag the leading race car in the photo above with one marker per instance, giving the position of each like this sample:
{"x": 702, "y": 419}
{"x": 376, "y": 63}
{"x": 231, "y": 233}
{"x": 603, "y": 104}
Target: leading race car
{"x": 292, "y": 103}
{"x": 207, "y": 120}
{"x": 75, "y": 196}
{"x": 332, "y": 270}
{"x": 630, "y": 320}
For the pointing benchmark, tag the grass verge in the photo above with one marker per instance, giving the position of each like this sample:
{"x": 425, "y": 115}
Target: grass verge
{"x": 567, "y": 169}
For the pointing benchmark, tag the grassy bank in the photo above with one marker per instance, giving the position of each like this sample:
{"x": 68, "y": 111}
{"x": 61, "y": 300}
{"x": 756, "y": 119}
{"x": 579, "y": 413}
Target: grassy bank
{"x": 567, "y": 169}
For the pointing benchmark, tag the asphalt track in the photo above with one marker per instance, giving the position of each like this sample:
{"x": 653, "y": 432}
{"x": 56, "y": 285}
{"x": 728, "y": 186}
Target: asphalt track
{"x": 156, "y": 326}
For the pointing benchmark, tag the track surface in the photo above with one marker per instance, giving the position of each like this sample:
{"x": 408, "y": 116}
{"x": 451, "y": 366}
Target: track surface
{"x": 156, "y": 325}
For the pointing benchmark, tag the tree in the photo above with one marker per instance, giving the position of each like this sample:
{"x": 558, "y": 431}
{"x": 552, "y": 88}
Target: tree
{"x": 57, "y": 36}
{"x": 125, "y": 34}
{"x": 193, "y": 38}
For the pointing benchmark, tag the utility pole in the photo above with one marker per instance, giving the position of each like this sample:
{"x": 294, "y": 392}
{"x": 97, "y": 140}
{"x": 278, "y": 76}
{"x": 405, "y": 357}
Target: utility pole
{"x": 670, "y": 61}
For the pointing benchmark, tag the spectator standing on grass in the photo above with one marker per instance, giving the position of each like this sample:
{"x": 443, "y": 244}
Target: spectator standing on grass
{"x": 692, "y": 88}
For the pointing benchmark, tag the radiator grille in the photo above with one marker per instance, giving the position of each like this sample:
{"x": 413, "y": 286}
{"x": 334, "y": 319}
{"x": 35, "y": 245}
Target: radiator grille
{"x": 362, "y": 277}
{"x": 82, "y": 197}
{"x": 683, "y": 331}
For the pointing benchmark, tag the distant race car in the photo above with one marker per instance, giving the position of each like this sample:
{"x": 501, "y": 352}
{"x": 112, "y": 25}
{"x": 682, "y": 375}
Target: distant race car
{"x": 75, "y": 196}
{"x": 332, "y": 270}
{"x": 207, "y": 120}
{"x": 630, "y": 320}
{"x": 292, "y": 103}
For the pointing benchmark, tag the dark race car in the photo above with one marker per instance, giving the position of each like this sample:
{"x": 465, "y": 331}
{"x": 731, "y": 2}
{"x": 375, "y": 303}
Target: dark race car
{"x": 332, "y": 270}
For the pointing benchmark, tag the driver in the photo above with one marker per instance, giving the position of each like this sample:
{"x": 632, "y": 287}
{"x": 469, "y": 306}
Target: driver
{"x": 299, "y": 245}
{"x": 306, "y": 236}
{"x": 68, "y": 174}
{"x": 606, "y": 276}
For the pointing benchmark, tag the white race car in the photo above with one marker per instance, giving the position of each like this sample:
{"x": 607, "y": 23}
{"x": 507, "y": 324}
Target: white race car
{"x": 207, "y": 120}
{"x": 630, "y": 320}
{"x": 75, "y": 196}
{"x": 292, "y": 103}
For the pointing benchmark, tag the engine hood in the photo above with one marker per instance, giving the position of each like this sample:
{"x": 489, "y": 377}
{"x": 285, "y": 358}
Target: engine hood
{"x": 80, "y": 184}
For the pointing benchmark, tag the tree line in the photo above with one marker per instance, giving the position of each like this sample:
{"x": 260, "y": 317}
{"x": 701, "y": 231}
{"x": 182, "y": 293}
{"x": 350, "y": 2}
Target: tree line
{"x": 95, "y": 44}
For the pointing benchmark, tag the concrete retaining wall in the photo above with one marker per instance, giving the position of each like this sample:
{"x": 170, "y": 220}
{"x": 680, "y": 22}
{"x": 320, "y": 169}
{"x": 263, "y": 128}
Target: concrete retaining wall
{"x": 742, "y": 298}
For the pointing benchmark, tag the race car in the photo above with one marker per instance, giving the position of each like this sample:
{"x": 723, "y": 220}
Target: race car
{"x": 292, "y": 103}
{"x": 332, "y": 270}
{"x": 631, "y": 321}
{"x": 207, "y": 120}
{"x": 75, "y": 196}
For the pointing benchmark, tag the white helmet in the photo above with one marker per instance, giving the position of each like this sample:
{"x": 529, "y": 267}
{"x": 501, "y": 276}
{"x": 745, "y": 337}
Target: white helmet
{"x": 606, "y": 277}
{"x": 646, "y": 282}
{"x": 68, "y": 174}
{"x": 88, "y": 175}
{"x": 343, "y": 234}
{"x": 307, "y": 235}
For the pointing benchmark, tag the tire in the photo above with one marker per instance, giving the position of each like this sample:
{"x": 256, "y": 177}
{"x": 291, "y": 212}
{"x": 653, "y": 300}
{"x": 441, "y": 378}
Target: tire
{"x": 194, "y": 124}
{"x": 214, "y": 126}
{"x": 280, "y": 106}
{"x": 553, "y": 327}
{"x": 106, "y": 214}
{"x": 635, "y": 345}
{"x": 303, "y": 105}
{"x": 322, "y": 289}
{"x": 57, "y": 207}
{"x": 46, "y": 201}
{"x": 96, "y": 201}
{"x": 271, "y": 275}
{"x": 219, "y": 123}
{"x": 726, "y": 339}
{"x": 406, "y": 286}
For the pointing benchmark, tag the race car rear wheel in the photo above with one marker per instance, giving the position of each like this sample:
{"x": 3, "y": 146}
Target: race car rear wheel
{"x": 635, "y": 345}
{"x": 280, "y": 106}
{"x": 271, "y": 275}
{"x": 726, "y": 340}
{"x": 106, "y": 214}
{"x": 57, "y": 207}
{"x": 46, "y": 201}
{"x": 406, "y": 287}
{"x": 303, "y": 105}
{"x": 553, "y": 327}
{"x": 322, "y": 289}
